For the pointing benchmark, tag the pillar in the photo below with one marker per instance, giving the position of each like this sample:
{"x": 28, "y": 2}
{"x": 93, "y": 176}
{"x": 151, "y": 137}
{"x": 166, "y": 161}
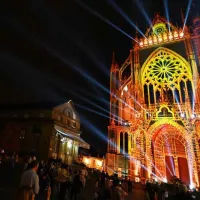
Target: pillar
{"x": 176, "y": 166}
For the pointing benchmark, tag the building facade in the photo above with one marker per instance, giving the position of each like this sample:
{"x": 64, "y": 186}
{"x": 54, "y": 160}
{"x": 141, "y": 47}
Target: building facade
{"x": 46, "y": 132}
{"x": 154, "y": 129}
{"x": 93, "y": 162}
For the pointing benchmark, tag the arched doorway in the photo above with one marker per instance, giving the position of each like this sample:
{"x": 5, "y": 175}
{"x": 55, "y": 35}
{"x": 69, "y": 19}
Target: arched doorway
{"x": 170, "y": 153}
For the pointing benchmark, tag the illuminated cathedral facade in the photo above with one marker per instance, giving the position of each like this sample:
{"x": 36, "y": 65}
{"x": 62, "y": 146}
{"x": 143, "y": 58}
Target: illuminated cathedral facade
{"x": 154, "y": 129}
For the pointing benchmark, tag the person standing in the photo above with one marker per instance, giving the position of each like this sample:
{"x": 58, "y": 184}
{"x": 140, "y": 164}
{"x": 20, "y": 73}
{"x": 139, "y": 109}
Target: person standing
{"x": 84, "y": 175}
{"x": 76, "y": 186}
{"x": 29, "y": 183}
{"x": 63, "y": 179}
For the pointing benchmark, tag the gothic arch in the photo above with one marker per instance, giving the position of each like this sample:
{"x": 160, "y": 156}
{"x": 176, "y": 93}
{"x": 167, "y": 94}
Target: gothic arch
{"x": 161, "y": 123}
{"x": 164, "y": 70}
{"x": 170, "y": 145}
{"x": 167, "y": 130}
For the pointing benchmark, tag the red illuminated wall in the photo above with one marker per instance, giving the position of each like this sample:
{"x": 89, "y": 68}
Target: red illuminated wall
{"x": 183, "y": 170}
{"x": 169, "y": 160}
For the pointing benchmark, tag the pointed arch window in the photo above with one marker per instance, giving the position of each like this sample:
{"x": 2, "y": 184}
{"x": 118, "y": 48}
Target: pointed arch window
{"x": 166, "y": 70}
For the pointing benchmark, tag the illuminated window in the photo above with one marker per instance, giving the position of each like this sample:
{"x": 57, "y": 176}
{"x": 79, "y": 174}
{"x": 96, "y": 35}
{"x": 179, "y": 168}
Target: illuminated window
{"x": 68, "y": 112}
{"x": 164, "y": 74}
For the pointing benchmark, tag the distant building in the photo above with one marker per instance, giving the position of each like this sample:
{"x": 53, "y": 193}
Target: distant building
{"x": 47, "y": 132}
{"x": 93, "y": 162}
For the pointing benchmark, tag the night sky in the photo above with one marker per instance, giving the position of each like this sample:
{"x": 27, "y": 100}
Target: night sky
{"x": 49, "y": 51}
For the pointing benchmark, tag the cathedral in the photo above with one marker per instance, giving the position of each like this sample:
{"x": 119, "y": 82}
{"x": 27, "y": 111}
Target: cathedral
{"x": 154, "y": 128}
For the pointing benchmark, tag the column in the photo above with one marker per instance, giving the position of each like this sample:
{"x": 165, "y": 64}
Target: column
{"x": 176, "y": 166}
{"x": 149, "y": 158}
{"x": 57, "y": 145}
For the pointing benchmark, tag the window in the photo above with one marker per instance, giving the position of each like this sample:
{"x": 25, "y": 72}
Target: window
{"x": 68, "y": 112}
{"x": 74, "y": 124}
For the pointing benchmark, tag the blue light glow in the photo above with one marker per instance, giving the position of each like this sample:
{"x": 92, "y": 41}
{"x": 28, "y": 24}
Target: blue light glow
{"x": 141, "y": 8}
{"x": 187, "y": 13}
{"x": 104, "y": 19}
{"x": 167, "y": 12}
{"x": 125, "y": 16}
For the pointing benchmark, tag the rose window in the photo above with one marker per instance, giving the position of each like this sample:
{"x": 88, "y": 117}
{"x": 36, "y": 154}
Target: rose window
{"x": 166, "y": 71}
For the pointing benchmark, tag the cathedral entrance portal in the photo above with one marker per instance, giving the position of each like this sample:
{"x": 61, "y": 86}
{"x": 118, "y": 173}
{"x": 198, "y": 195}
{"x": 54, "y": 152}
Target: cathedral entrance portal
{"x": 170, "y": 154}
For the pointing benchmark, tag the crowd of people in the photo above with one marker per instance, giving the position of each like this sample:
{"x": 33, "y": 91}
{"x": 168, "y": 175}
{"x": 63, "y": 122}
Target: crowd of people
{"x": 170, "y": 191}
{"x": 54, "y": 180}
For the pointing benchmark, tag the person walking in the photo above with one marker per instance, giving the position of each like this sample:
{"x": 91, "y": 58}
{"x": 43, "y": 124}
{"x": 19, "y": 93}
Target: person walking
{"x": 29, "y": 183}
{"x": 76, "y": 186}
{"x": 63, "y": 179}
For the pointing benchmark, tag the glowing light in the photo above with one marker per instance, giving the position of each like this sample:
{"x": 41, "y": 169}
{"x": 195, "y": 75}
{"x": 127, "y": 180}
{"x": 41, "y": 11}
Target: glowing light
{"x": 93, "y": 104}
{"x": 181, "y": 34}
{"x": 141, "y": 8}
{"x": 192, "y": 186}
{"x": 126, "y": 88}
{"x": 155, "y": 39}
{"x": 160, "y": 39}
{"x": 104, "y": 19}
{"x": 192, "y": 116}
{"x": 125, "y": 16}
{"x": 175, "y": 34}
{"x": 187, "y": 13}
{"x": 165, "y": 180}
{"x": 167, "y": 12}
{"x": 122, "y": 93}
{"x": 165, "y": 37}
{"x": 141, "y": 43}
{"x": 69, "y": 144}
{"x": 63, "y": 140}
{"x": 182, "y": 115}
{"x": 170, "y": 36}
{"x": 87, "y": 161}
{"x": 99, "y": 163}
